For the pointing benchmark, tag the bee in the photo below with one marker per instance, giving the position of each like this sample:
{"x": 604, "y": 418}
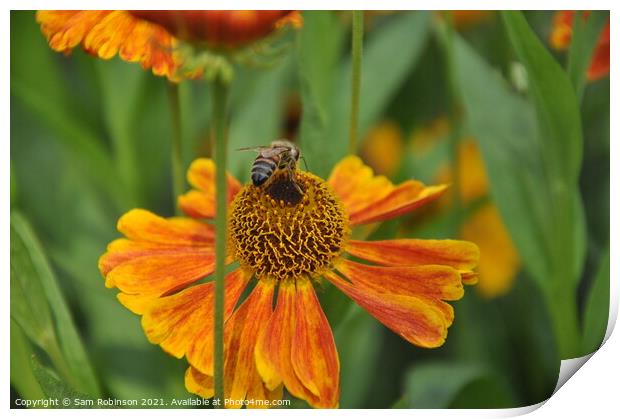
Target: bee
{"x": 280, "y": 155}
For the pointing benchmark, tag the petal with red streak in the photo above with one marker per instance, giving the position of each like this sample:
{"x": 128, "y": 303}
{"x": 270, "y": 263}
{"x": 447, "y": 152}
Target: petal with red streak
{"x": 402, "y": 199}
{"x": 240, "y": 335}
{"x": 435, "y": 281}
{"x": 458, "y": 254}
{"x": 178, "y": 321}
{"x": 421, "y": 321}
{"x": 313, "y": 353}
{"x": 273, "y": 350}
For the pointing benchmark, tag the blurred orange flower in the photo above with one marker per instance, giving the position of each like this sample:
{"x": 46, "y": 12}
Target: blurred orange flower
{"x": 499, "y": 260}
{"x": 152, "y": 38}
{"x": 561, "y": 36}
{"x": 288, "y": 241}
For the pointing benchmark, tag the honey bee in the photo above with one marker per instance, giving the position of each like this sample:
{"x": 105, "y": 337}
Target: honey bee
{"x": 280, "y": 155}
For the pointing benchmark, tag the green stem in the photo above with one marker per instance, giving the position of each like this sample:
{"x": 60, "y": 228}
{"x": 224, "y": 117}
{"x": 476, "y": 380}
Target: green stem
{"x": 178, "y": 183}
{"x": 220, "y": 91}
{"x": 356, "y": 76}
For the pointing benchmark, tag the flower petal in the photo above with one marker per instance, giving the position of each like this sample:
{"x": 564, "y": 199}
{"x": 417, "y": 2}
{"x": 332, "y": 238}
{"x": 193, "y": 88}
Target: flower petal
{"x": 313, "y": 353}
{"x": 200, "y": 203}
{"x": 161, "y": 274}
{"x": 436, "y": 281}
{"x": 355, "y": 183}
{"x": 409, "y": 252}
{"x": 403, "y": 199}
{"x": 240, "y": 334}
{"x": 143, "y": 225}
{"x": 106, "y": 33}
{"x": 199, "y": 383}
{"x": 176, "y": 322}
{"x": 273, "y": 349}
{"x": 419, "y": 320}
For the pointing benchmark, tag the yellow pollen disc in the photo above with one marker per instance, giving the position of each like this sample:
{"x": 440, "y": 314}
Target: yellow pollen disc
{"x": 282, "y": 234}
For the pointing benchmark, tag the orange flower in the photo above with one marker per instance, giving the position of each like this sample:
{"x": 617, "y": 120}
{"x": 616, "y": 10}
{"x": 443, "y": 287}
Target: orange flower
{"x": 287, "y": 241}
{"x": 561, "y": 36}
{"x": 152, "y": 37}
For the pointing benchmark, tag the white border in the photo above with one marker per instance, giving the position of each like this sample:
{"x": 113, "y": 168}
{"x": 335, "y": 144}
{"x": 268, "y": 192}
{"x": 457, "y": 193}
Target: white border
{"x": 592, "y": 392}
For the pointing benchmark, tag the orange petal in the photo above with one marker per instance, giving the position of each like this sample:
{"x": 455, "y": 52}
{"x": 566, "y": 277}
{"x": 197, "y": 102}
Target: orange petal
{"x": 240, "y": 334}
{"x": 65, "y": 29}
{"x": 353, "y": 182}
{"x": 200, "y": 203}
{"x": 273, "y": 349}
{"x": 137, "y": 303}
{"x": 422, "y": 321}
{"x": 409, "y": 252}
{"x": 105, "y": 33}
{"x": 160, "y": 274}
{"x": 176, "y": 322}
{"x": 142, "y": 225}
{"x": 403, "y": 199}
{"x": 199, "y": 383}
{"x": 123, "y": 250}
{"x": 436, "y": 281}
{"x": 599, "y": 66}
{"x": 313, "y": 354}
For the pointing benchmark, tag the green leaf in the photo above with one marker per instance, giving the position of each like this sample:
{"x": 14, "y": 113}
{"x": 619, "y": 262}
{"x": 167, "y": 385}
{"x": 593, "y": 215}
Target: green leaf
{"x": 30, "y": 269}
{"x": 511, "y": 155}
{"x": 596, "y": 313}
{"x": 357, "y": 339}
{"x": 22, "y": 377}
{"x": 37, "y": 83}
{"x": 583, "y": 43}
{"x": 438, "y": 385}
{"x": 53, "y": 387}
{"x": 560, "y": 139}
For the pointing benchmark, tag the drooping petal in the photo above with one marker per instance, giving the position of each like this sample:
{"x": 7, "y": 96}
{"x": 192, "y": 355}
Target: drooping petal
{"x": 273, "y": 349}
{"x": 436, "y": 281}
{"x": 402, "y": 199}
{"x": 313, "y": 353}
{"x": 200, "y": 203}
{"x": 177, "y": 322}
{"x": 420, "y": 320}
{"x": 458, "y": 254}
{"x": 240, "y": 334}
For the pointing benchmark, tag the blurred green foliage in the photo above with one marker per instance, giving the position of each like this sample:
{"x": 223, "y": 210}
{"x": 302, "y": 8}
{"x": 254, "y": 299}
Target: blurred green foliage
{"x": 90, "y": 140}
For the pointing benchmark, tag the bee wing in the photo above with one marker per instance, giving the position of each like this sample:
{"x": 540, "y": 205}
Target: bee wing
{"x": 266, "y": 151}
{"x": 259, "y": 148}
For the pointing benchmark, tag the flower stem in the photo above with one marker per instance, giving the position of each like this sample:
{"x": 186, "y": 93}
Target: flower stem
{"x": 178, "y": 183}
{"x": 356, "y": 76}
{"x": 219, "y": 94}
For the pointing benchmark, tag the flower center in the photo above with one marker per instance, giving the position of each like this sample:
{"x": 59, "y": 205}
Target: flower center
{"x": 281, "y": 233}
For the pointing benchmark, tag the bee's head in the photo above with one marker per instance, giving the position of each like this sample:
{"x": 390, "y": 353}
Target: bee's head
{"x": 293, "y": 149}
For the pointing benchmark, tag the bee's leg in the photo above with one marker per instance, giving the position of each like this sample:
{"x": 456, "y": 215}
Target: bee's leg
{"x": 294, "y": 182}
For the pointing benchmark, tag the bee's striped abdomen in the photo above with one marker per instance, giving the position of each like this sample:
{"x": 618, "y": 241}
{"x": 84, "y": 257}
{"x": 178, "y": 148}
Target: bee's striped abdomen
{"x": 262, "y": 169}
